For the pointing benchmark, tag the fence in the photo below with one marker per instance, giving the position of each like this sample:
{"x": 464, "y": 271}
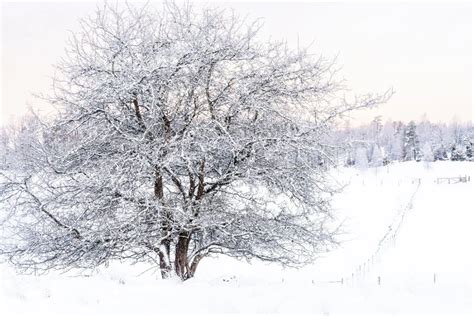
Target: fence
{"x": 379, "y": 280}
{"x": 453, "y": 180}
{"x": 387, "y": 240}
{"x": 392, "y": 232}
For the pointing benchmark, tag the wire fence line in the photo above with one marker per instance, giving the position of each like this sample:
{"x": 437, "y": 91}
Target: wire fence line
{"x": 392, "y": 232}
{"x": 386, "y": 241}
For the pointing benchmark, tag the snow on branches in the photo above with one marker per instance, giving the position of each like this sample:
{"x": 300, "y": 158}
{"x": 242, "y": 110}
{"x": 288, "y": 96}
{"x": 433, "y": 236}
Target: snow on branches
{"x": 178, "y": 135}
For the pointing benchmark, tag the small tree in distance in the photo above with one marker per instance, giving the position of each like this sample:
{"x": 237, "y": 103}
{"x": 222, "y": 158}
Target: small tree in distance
{"x": 411, "y": 150}
{"x": 361, "y": 161}
{"x": 428, "y": 155}
{"x": 377, "y": 157}
{"x": 178, "y": 135}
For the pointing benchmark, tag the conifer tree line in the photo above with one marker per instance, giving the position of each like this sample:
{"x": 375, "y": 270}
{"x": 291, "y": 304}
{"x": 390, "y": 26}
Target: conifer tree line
{"x": 374, "y": 144}
{"x": 381, "y": 142}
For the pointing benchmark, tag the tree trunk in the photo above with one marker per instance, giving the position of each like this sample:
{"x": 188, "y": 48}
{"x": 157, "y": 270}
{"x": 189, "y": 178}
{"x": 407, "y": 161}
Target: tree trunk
{"x": 184, "y": 267}
{"x": 165, "y": 245}
{"x": 164, "y": 255}
{"x": 194, "y": 265}
{"x": 181, "y": 264}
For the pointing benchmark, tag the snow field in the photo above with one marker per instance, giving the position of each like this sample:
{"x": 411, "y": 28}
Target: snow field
{"x": 434, "y": 238}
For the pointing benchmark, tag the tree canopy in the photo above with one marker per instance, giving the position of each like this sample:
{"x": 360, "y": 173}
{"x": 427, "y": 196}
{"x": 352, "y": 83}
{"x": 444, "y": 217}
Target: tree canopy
{"x": 178, "y": 135}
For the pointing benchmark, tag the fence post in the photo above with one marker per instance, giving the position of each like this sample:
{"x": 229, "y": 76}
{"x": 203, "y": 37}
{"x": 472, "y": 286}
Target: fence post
{"x": 378, "y": 280}
{"x": 434, "y": 278}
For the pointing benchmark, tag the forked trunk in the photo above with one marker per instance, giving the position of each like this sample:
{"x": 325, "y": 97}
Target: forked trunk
{"x": 184, "y": 267}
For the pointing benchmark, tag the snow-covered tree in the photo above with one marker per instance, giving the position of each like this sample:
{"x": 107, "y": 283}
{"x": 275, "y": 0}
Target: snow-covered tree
{"x": 427, "y": 153}
{"x": 4, "y": 147}
{"x": 375, "y": 129}
{"x": 411, "y": 149}
{"x": 469, "y": 150}
{"x": 377, "y": 157}
{"x": 424, "y": 131}
{"x": 397, "y": 145}
{"x": 179, "y": 135}
{"x": 20, "y": 139}
{"x": 387, "y": 140}
{"x": 458, "y": 153}
{"x": 361, "y": 160}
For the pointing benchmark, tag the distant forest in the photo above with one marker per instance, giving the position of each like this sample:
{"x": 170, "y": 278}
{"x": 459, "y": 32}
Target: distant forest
{"x": 374, "y": 144}
{"x": 379, "y": 143}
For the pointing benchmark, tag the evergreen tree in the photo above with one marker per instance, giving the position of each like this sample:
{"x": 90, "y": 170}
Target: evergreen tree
{"x": 469, "y": 151}
{"x": 457, "y": 153}
{"x": 468, "y": 145}
{"x": 440, "y": 153}
{"x": 411, "y": 146}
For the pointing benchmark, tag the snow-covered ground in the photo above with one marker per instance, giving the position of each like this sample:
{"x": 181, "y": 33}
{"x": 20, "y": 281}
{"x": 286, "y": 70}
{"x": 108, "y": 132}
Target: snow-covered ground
{"x": 400, "y": 229}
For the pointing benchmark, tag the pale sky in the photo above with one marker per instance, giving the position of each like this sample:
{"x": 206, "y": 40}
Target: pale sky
{"x": 422, "y": 50}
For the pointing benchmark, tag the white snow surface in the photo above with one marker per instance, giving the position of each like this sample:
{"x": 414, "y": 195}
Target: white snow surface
{"x": 424, "y": 268}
